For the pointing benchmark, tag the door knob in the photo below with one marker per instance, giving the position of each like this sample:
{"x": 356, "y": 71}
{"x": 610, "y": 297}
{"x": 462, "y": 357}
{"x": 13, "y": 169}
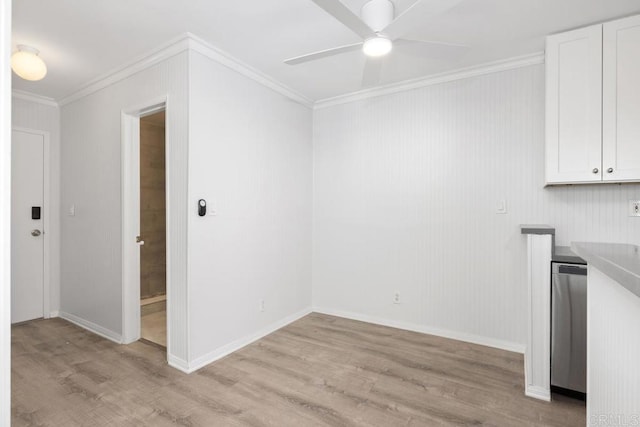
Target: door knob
{"x": 610, "y": 170}
{"x": 36, "y": 233}
{"x": 139, "y": 240}
{"x": 595, "y": 170}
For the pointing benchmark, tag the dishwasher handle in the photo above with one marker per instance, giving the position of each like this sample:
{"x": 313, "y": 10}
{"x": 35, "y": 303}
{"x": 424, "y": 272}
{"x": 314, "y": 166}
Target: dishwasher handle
{"x": 572, "y": 269}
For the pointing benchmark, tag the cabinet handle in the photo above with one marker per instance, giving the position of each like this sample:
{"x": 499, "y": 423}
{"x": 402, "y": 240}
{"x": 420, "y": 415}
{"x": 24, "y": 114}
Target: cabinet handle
{"x": 596, "y": 170}
{"x": 610, "y": 170}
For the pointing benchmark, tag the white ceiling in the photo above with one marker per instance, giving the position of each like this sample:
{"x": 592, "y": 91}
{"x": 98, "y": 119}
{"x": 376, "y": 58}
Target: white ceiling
{"x": 81, "y": 40}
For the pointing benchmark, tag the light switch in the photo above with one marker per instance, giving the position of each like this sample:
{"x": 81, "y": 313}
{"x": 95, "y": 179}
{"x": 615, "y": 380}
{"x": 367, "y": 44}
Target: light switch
{"x": 213, "y": 208}
{"x": 501, "y": 207}
{"x": 72, "y": 210}
{"x": 634, "y": 207}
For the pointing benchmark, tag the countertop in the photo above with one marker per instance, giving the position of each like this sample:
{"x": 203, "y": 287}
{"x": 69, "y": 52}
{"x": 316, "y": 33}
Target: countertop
{"x": 537, "y": 229}
{"x": 565, "y": 254}
{"x": 558, "y": 253}
{"x": 619, "y": 261}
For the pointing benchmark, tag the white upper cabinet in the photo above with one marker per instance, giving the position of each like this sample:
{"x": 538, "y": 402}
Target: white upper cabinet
{"x": 574, "y": 106}
{"x": 621, "y": 100}
{"x": 593, "y": 104}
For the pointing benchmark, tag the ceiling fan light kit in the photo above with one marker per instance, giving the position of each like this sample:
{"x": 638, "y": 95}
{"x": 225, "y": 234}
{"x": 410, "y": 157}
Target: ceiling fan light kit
{"x": 27, "y": 64}
{"x": 377, "y": 14}
{"x": 377, "y": 46}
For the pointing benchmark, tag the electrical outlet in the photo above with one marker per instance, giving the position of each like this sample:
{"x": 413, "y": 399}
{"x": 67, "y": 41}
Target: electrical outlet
{"x": 396, "y": 298}
{"x": 261, "y": 305}
{"x": 634, "y": 207}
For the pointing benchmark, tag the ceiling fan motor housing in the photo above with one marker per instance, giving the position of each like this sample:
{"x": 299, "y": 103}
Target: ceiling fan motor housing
{"x": 377, "y": 14}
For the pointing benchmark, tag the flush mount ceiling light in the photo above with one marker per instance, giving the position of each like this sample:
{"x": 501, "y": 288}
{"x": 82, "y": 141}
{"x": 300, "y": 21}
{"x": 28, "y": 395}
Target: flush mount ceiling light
{"x": 27, "y": 64}
{"x": 377, "y": 46}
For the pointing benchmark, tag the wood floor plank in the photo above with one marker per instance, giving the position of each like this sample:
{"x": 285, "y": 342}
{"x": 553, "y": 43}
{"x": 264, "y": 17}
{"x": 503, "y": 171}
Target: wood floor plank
{"x": 318, "y": 371}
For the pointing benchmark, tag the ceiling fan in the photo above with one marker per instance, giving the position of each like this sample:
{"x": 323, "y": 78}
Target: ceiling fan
{"x": 379, "y": 29}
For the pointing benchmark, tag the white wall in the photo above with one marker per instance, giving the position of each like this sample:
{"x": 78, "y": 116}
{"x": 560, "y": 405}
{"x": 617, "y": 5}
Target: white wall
{"x": 5, "y": 214}
{"x": 250, "y": 157}
{"x": 43, "y": 117}
{"x": 405, "y": 191}
{"x": 91, "y": 271}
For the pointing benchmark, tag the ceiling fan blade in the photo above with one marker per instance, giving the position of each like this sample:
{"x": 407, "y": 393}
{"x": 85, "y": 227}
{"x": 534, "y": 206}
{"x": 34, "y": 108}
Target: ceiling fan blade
{"x": 343, "y": 14}
{"x": 433, "y": 50}
{"x": 419, "y": 12}
{"x": 323, "y": 54}
{"x": 372, "y": 72}
{"x": 431, "y": 42}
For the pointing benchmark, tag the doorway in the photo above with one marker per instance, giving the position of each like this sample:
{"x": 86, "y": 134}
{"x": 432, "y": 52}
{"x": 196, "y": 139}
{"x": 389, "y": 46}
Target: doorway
{"x": 153, "y": 249}
{"x": 29, "y": 224}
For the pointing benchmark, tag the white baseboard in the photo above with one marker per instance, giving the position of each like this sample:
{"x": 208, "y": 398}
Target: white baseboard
{"x": 237, "y": 344}
{"x": 530, "y": 390}
{"x": 179, "y": 364}
{"x": 537, "y": 393}
{"x": 460, "y": 336}
{"x": 92, "y": 327}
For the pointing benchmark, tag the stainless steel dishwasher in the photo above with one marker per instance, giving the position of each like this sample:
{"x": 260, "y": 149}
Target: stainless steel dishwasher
{"x": 569, "y": 328}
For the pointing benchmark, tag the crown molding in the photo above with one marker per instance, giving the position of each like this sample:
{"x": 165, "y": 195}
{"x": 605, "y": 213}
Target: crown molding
{"x": 198, "y": 45}
{"x": 142, "y": 62}
{"x": 188, "y": 41}
{"x": 32, "y": 97}
{"x": 462, "y": 73}
{"x": 173, "y": 47}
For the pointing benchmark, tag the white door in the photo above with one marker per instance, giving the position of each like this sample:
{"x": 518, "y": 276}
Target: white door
{"x": 621, "y": 100}
{"x": 574, "y": 106}
{"x": 27, "y": 232}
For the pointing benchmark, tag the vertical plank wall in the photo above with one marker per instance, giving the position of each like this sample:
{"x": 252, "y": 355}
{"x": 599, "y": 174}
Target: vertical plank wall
{"x": 244, "y": 148}
{"x": 91, "y": 276}
{"x": 250, "y": 158}
{"x": 405, "y": 194}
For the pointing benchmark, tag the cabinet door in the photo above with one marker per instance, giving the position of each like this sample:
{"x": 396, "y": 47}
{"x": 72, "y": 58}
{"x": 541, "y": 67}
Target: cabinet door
{"x": 574, "y": 106}
{"x": 621, "y": 100}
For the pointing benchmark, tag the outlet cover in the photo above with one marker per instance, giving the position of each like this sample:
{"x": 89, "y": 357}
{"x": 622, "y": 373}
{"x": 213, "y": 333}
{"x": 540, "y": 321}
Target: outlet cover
{"x": 634, "y": 207}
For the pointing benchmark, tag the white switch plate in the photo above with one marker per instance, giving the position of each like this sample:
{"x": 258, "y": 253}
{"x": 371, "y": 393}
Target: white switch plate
{"x": 634, "y": 207}
{"x": 501, "y": 207}
{"x": 212, "y": 208}
{"x": 72, "y": 210}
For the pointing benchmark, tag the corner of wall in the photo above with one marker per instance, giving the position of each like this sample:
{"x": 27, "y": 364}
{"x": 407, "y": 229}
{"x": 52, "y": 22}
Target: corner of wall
{"x": 236, "y": 345}
{"x": 92, "y": 327}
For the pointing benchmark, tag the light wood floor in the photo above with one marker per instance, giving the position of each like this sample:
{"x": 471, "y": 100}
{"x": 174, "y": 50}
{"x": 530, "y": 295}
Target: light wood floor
{"x": 320, "y": 370}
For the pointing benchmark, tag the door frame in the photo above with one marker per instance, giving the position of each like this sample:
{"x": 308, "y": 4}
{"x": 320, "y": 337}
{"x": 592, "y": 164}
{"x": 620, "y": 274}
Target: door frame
{"x": 46, "y": 223}
{"x": 130, "y": 193}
